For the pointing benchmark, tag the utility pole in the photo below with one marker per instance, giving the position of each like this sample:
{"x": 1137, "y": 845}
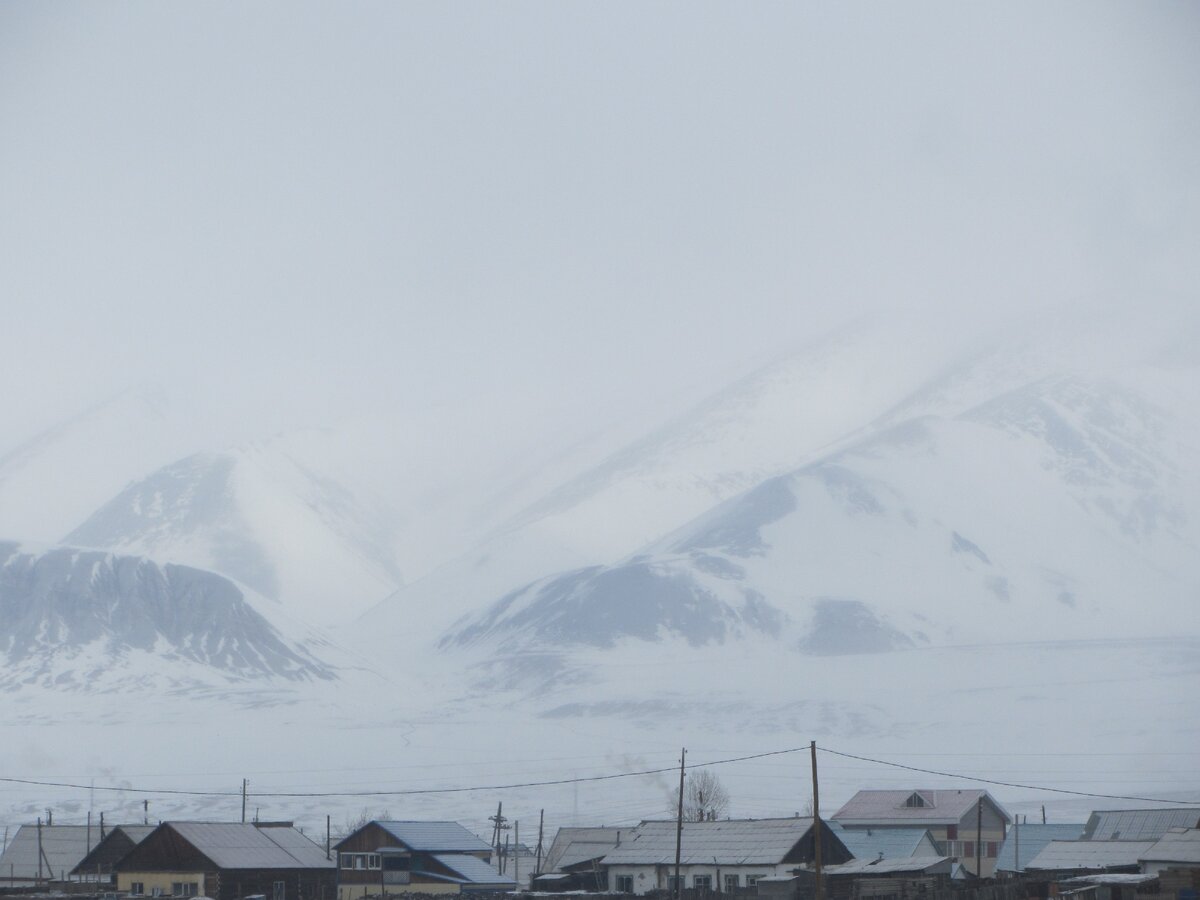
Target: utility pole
{"x": 678, "y": 893}
{"x": 1017, "y": 841}
{"x": 818, "y": 885}
{"x": 1043, "y": 813}
{"x": 101, "y": 824}
{"x": 327, "y": 837}
{"x": 517, "y": 853}
{"x": 498, "y": 828}
{"x": 245, "y": 784}
{"x": 979, "y": 839}
{"x": 89, "y": 832}
{"x": 39, "y": 837}
{"x": 146, "y": 811}
{"x": 541, "y": 824}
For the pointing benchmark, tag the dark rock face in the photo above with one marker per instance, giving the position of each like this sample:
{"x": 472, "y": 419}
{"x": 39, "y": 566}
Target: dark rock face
{"x": 66, "y": 599}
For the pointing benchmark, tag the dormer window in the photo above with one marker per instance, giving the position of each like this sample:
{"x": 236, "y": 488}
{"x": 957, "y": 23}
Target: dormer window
{"x": 915, "y": 801}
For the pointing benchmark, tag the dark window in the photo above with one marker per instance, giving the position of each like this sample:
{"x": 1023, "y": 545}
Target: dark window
{"x": 278, "y": 891}
{"x": 137, "y": 888}
{"x": 624, "y": 884}
{"x": 731, "y": 883}
{"x": 915, "y": 800}
{"x": 702, "y": 882}
{"x": 992, "y": 849}
{"x": 968, "y": 849}
{"x": 952, "y": 832}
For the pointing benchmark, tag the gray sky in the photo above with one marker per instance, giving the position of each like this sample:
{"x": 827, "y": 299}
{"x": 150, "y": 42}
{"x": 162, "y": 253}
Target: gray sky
{"x": 510, "y": 216}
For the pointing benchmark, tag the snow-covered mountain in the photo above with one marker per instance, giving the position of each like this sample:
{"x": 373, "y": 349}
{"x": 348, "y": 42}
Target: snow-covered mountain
{"x": 262, "y": 517}
{"x": 1005, "y": 496}
{"x": 86, "y": 621}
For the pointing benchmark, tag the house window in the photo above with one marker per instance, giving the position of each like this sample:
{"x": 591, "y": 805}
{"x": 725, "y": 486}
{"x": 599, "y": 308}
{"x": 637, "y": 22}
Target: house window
{"x": 915, "y": 801}
{"x": 137, "y": 888}
{"x": 277, "y": 891}
{"x": 993, "y": 848}
{"x": 751, "y": 880}
{"x": 184, "y": 889}
{"x": 968, "y": 849}
{"x": 624, "y": 884}
{"x": 673, "y": 883}
{"x": 702, "y": 882}
{"x": 952, "y": 832}
{"x": 731, "y": 883}
{"x": 360, "y": 860}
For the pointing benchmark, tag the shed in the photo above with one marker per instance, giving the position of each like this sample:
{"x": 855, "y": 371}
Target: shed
{"x": 112, "y": 848}
{"x": 1089, "y": 856}
{"x": 41, "y": 853}
{"x": 1024, "y": 842}
{"x": 1178, "y": 848}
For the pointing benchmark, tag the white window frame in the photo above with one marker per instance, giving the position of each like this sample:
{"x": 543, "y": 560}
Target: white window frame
{"x": 702, "y": 882}
{"x": 624, "y": 884}
{"x": 733, "y": 881}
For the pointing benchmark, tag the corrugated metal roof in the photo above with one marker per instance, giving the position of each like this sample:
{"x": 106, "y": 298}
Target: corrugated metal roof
{"x": 234, "y": 845}
{"x": 890, "y": 843}
{"x": 572, "y": 846}
{"x": 473, "y": 869}
{"x": 434, "y": 836}
{"x": 1181, "y": 845}
{"x": 63, "y": 847}
{"x": 738, "y": 842}
{"x": 885, "y": 807}
{"x": 892, "y": 866}
{"x": 114, "y": 845}
{"x": 1138, "y": 824}
{"x": 1033, "y": 839}
{"x": 1070, "y": 855}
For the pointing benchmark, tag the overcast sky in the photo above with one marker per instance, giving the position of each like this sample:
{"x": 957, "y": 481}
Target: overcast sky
{"x": 526, "y": 212}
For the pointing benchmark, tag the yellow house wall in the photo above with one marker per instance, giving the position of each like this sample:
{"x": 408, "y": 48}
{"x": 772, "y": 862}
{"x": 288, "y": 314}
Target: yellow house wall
{"x": 160, "y": 880}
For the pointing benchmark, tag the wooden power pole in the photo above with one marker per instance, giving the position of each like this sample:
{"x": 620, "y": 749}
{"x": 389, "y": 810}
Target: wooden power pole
{"x": 818, "y": 885}
{"x": 979, "y": 839}
{"x": 679, "y": 825}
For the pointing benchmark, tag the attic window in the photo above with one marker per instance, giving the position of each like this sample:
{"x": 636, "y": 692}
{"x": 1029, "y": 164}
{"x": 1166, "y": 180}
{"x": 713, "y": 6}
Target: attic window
{"x": 915, "y": 801}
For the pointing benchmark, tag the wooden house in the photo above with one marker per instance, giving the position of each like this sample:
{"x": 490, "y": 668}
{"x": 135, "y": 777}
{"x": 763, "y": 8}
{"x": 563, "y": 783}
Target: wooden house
{"x": 385, "y": 858}
{"x": 227, "y": 861}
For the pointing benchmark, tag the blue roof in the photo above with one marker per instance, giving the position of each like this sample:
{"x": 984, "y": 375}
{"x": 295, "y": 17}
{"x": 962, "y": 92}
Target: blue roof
{"x": 432, "y": 837}
{"x": 1034, "y": 839}
{"x": 473, "y": 869}
{"x": 888, "y": 843}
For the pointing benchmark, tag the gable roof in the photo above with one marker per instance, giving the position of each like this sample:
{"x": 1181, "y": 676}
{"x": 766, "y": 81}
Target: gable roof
{"x": 730, "y": 843}
{"x": 1032, "y": 839}
{"x": 891, "y": 807}
{"x": 1138, "y": 824}
{"x": 572, "y": 846}
{"x": 237, "y": 845}
{"x": 431, "y": 837}
{"x": 1065, "y": 856}
{"x": 63, "y": 846}
{"x": 112, "y": 848}
{"x": 888, "y": 843}
{"x": 1179, "y": 845}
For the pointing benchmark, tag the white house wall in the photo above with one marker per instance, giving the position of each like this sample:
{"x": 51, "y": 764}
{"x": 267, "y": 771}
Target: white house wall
{"x": 654, "y": 877}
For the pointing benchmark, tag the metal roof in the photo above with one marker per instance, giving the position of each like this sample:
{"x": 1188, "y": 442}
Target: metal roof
{"x": 736, "y": 842}
{"x": 928, "y": 864}
{"x": 1179, "y": 845}
{"x": 1138, "y": 824}
{"x": 473, "y": 869}
{"x": 431, "y": 837}
{"x": 109, "y": 850}
{"x": 572, "y": 846}
{"x": 63, "y": 846}
{"x": 891, "y": 807}
{"x": 889, "y": 843}
{"x": 1069, "y": 855}
{"x": 234, "y": 845}
{"x": 1033, "y": 839}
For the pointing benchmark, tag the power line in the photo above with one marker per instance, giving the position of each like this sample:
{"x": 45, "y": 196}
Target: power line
{"x": 1030, "y": 787}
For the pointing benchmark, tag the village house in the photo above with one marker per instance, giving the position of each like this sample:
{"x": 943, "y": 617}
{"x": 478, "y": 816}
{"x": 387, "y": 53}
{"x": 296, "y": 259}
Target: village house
{"x": 719, "y": 855}
{"x": 573, "y": 861}
{"x": 392, "y": 857}
{"x": 886, "y": 843}
{"x": 967, "y": 825}
{"x": 1061, "y": 859}
{"x": 114, "y": 845}
{"x": 39, "y": 854}
{"x": 227, "y": 861}
{"x": 1179, "y": 848}
{"x": 1024, "y": 842}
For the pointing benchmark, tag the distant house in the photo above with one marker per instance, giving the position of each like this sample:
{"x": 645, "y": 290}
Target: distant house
{"x": 226, "y": 861}
{"x": 573, "y": 861}
{"x": 1179, "y": 848}
{"x": 886, "y": 843}
{"x": 37, "y": 854}
{"x": 116, "y": 844}
{"x": 956, "y": 819}
{"x": 721, "y": 855}
{"x": 400, "y": 857}
{"x": 1060, "y": 859}
{"x": 1024, "y": 842}
{"x": 1138, "y": 824}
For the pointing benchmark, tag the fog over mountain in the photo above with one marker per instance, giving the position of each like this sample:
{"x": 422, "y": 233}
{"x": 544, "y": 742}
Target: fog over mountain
{"x": 404, "y": 397}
